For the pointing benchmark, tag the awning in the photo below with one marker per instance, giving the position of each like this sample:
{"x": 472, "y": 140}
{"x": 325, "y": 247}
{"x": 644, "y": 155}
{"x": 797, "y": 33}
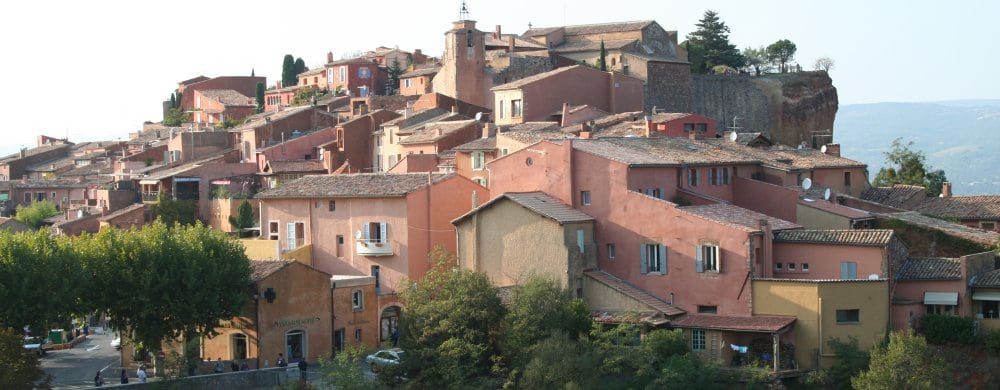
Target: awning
{"x": 940, "y": 298}
{"x": 149, "y": 182}
{"x": 986, "y": 296}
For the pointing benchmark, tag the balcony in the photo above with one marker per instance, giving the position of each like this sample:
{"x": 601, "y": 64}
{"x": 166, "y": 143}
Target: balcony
{"x": 150, "y": 197}
{"x": 373, "y": 247}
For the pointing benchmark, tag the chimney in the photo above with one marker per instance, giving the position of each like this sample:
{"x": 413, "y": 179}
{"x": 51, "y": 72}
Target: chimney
{"x": 649, "y": 126}
{"x": 832, "y": 149}
{"x": 329, "y": 57}
{"x": 946, "y": 189}
{"x": 408, "y": 110}
{"x": 21, "y": 154}
{"x": 510, "y": 44}
{"x": 584, "y": 135}
{"x": 565, "y": 115}
{"x": 497, "y": 34}
{"x": 489, "y": 130}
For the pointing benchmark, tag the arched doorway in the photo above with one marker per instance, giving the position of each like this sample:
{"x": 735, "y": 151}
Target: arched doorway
{"x": 388, "y": 322}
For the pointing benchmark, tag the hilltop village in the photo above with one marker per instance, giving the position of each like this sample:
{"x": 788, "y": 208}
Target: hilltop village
{"x": 516, "y": 156}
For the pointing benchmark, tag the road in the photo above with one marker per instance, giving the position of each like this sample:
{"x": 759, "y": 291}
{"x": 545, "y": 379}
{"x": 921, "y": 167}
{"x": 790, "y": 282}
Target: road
{"x": 75, "y": 368}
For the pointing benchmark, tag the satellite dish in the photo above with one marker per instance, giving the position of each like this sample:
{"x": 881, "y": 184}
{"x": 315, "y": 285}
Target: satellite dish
{"x": 873, "y": 277}
{"x": 807, "y": 183}
{"x": 479, "y": 118}
{"x": 826, "y": 194}
{"x": 822, "y": 149}
{"x": 732, "y": 136}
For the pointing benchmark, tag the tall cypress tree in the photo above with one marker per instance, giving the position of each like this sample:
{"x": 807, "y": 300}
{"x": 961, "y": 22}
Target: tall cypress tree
{"x": 300, "y": 66}
{"x": 288, "y": 74}
{"x": 260, "y": 97}
{"x": 602, "y": 61}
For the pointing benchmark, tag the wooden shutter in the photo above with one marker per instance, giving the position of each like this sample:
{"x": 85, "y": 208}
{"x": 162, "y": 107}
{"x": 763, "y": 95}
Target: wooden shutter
{"x": 642, "y": 258}
{"x": 845, "y": 270}
{"x": 368, "y": 232}
{"x": 699, "y": 262}
{"x": 718, "y": 258}
{"x": 663, "y": 259}
{"x": 382, "y": 229}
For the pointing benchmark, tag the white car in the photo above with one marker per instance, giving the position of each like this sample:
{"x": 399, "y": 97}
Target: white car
{"x": 36, "y": 345}
{"x": 117, "y": 343}
{"x": 385, "y": 357}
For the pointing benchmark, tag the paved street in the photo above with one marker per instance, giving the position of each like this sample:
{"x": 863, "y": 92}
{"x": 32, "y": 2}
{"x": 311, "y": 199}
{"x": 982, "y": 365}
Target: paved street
{"x": 75, "y": 368}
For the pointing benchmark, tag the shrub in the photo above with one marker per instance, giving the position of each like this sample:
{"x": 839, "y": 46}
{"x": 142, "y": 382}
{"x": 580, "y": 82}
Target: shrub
{"x": 940, "y": 329}
{"x": 992, "y": 340}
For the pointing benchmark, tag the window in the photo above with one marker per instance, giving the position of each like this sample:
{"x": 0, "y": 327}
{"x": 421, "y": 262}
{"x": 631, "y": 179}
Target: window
{"x": 364, "y": 73}
{"x": 53, "y": 196}
{"x": 989, "y": 309}
{"x": 585, "y": 198}
{"x": 478, "y": 160}
{"x": 295, "y": 344}
{"x": 363, "y": 91}
{"x": 701, "y": 127}
{"x": 329, "y": 76}
{"x": 407, "y": 83}
{"x": 654, "y": 192}
{"x": 481, "y": 181}
{"x": 611, "y": 251}
{"x": 273, "y": 230}
{"x": 295, "y": 235}
{"x": 777, "y": 267}
{"x": 357, "y": 335}
{"x": 501, "y": 109}
{"x": 948, "y": 310}
{"x": 503, "y": 152}
{"x": 653, "y": 259}
{"x": 791, "y": 267}
{"x": 707, "y": 258}
{"x": 375, "y": 232}
{"x": 515, "y": 108}
{"x": 848, "y": 270}
{"x": 340, "y": 245}
{"x": 698, "y": 339}
{"x": 692, "y": 177}
{"x": 580, "y": 239}
{"x": 805, "y": 267}
{"x": 332, "y": 205}
{"x": 377, "y": 273}
{"x": 27, "y": 197}
{"x": 357, "y": 299}
{"x": 343, "y": 73}
{"x": 988, "y": 225}
{"x": 848, "y": 316}
{"x": 847, "y": 179}
{"x": 239, "y": 345}
{"x": 704, "y": 309}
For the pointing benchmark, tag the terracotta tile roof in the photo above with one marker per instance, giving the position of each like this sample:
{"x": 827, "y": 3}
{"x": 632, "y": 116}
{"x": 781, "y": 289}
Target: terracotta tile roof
{"x": 358, "y": 185}
{"x": 183, "y": 168}
{"x": 359, "y": 61}
{"x": 416, "y": 118}
{"x": 866, "y": 237}
{"x": 420, "y": 72}
{"x": 538, "y": 77}
{"x": 636, "y": 151}
{"x": 261, "y": 269}
{"x": 121, "y": 211}
{"x": 530, "y": 126}
{"x": 531, "y": 132}
{"x": 32, "y": 152}
{"x": 990, "y": 280}
{"x": 737, "y": 217}
{"x": 748, "y": 138}
{"x": 786, "y": 158}
{"x": 548, "y": 206}
{"x": 488, "y": 143}
{"x": 897, "y": 196}
{"x": 518, "y": 42}
{"x": 193, "y": 80}
{"x": 930, "y": 268}
{"x": 432, "y": 132}
{"x": 962, "y": 207}
{"x": 572, "y": 47}
{"x": 296, "y": 166}
{"x": 786, "y": 280}
{"x": 979, "y": 236}
{"x": 311, "y": 72}
{"x": 228, "y": 97}
{"x": 56, "y": 183}
{"x": 597, "y": 28}
{"x": 634, "y": 292}
{"x": 837, "y": 209}
{"x": 13, "y": 225}
{"x": 757, "y": 323}
{"x": 96, "y": 168}
{"x": 255, "y": 120}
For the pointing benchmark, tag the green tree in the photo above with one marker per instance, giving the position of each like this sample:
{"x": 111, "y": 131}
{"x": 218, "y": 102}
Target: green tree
{"x": 288, "y": 75}
{"x": 904, "y": 363}
{"x": 343, "y": 370}
{"x": 260, "y": 97}
{"x": 36, "y": 212}
{"x": 561, "y": 362}
{"x": 452, "y": 325}
{"x": 780, "y": 53}
{"x": 175, "y": 117}
{"x": 711, "y": 46}
{"x": 906, "y": 166}
{"x": 825, "y": 64}
{"x": 19, "y": 370}
{"x": 756, "y": 60}
{"x": 40, "y": 280}
{"x": 300, "y": 66}
{"x": 243, "y": 218}
{"x": 395, "y": 70}
{"x": 171, "y": 211}
{"x": 163, "y": 284}
{"x": 850, "y": 361}
{"x": 687, "y": 371}
{"x": 602, "y": 59}
{"x": 173, "y": 100}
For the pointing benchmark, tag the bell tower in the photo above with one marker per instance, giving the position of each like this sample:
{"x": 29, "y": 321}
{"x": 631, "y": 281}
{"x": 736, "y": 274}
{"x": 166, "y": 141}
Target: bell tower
{"x": 462, "y": 75}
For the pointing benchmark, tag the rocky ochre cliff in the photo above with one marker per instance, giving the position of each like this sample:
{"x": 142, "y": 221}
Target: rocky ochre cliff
{"x": 791, "y": 108}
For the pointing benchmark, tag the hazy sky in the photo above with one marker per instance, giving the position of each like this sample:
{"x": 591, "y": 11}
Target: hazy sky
{"x": 97, "y": 69}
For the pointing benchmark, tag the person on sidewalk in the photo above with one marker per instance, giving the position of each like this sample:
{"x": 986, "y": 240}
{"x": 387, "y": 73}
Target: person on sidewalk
{"x": 141, "y": 374}
{"x": 281, "y": 361}
{"x": 303, "y": 366}
{"x": 124, "y": 378}
{"x": 98, "y": 380}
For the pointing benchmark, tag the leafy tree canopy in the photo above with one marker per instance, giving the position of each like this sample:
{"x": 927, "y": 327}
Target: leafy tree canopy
{"x": 243, "y": 218}
{"x": 710, "y": 45}
{"x": 756, "y": 60}
{"x": 19, "y": 370}
{"x": 825, "y": 64}
{"x": 175, "y": 117}
{"x": 35, "y": 213}
{"x": 904, "y": 363}
{"x": 780, "y": 53}
{"x": 40, "y": 277}
{"x": 906, "y": 166}
{"x": 173, "y": 211}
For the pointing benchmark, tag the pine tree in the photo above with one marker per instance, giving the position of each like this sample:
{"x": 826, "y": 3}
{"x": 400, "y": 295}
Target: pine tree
{"x": 395, "y": 71}
{"x": 709, "y": 45}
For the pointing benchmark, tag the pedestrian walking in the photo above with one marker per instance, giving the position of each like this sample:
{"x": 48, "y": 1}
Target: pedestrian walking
{"x": 141, "y": 374}
{"x": 281, "y": 361}
{"x": 244, "y": 366}
{"x": 98, "y": 380}
{"x": 219, "y": 368}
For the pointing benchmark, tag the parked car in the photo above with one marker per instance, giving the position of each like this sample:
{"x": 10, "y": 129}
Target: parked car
{"x": 385, "y": 357}
{"x": 37, "y": 345}
{"x": 117, "y": 343}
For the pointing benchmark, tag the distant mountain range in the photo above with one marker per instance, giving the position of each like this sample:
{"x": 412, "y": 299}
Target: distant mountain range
{"x": 962, "y": 137}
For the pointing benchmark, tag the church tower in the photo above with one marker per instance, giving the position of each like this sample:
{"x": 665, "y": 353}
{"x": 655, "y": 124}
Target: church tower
{"x": 462, "y": 75}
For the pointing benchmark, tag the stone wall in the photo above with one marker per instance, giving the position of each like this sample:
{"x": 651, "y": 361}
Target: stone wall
{"x": 724, "y": 97}
{"x": 668, "y": 87}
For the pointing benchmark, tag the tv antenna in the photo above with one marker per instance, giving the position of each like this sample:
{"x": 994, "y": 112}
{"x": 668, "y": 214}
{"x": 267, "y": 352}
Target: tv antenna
{"x": 734, "y": 128}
